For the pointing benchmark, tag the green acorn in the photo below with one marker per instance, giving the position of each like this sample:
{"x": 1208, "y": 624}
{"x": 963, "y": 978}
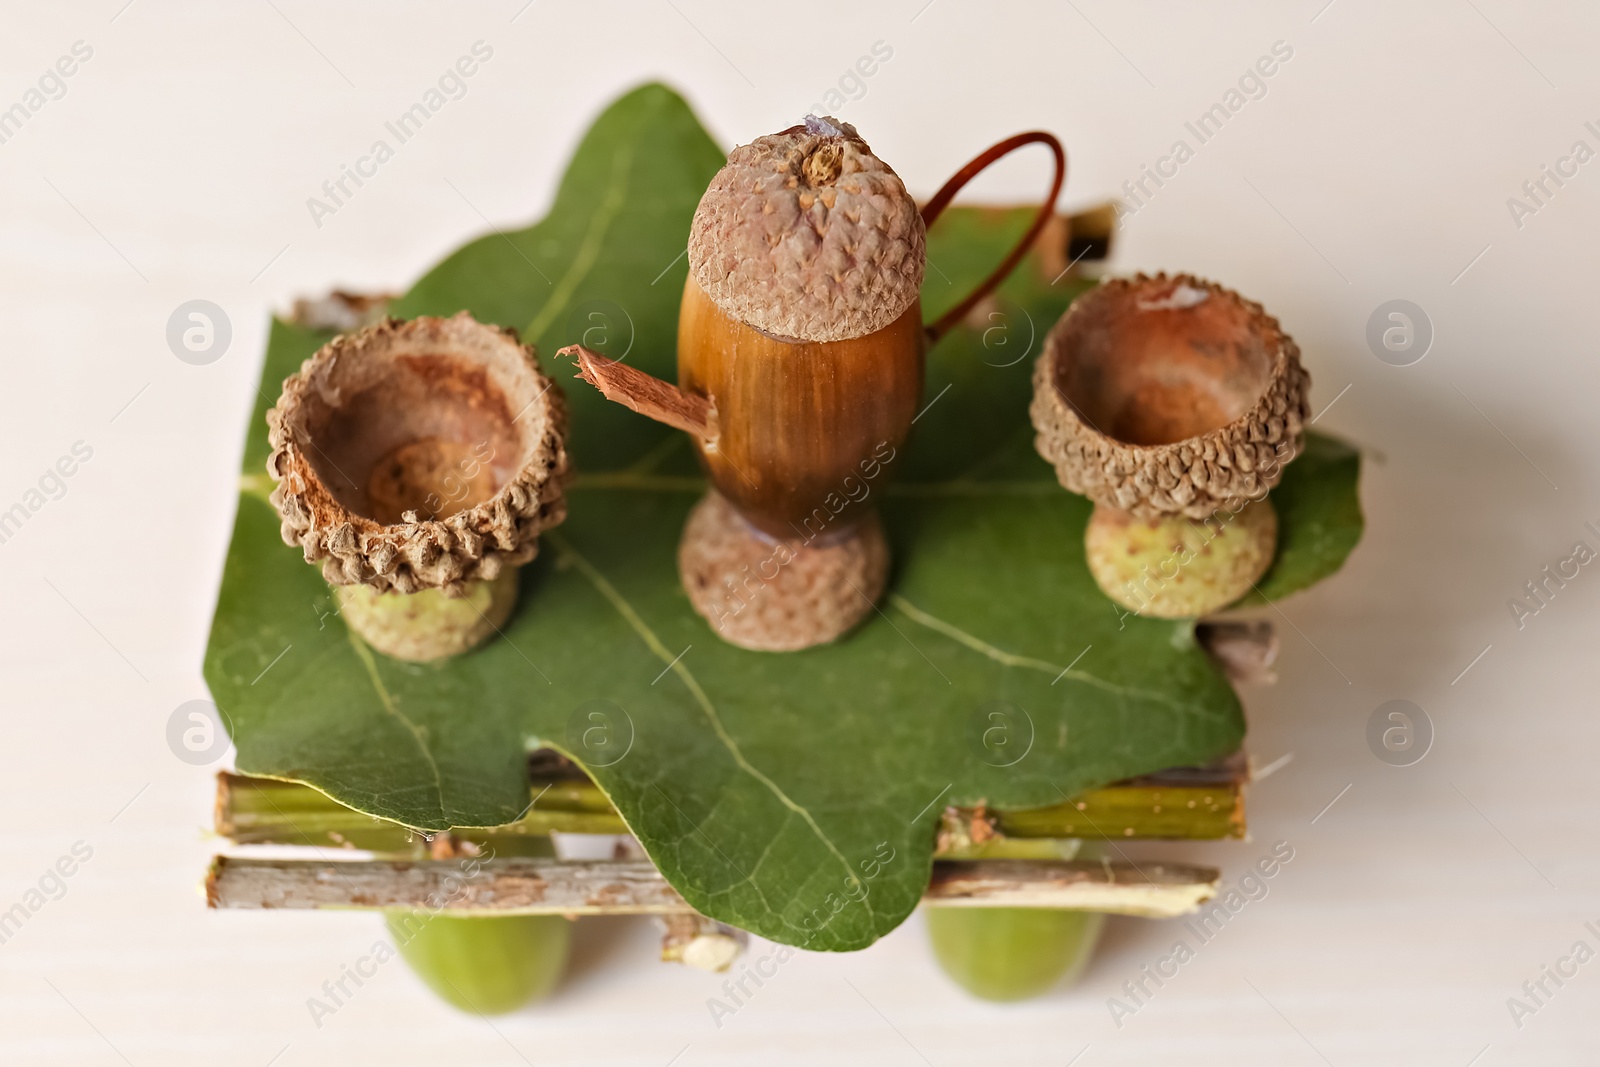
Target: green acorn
{"x": 486, "y": 966}
{"x": 1177, "y": 568}
{"x": 1007, "y": 954}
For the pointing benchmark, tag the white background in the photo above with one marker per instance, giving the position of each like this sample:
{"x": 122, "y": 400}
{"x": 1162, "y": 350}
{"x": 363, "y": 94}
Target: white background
{"x": 1378, "y": 166}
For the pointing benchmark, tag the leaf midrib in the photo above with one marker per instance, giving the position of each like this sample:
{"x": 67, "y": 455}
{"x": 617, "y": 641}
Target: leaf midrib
{"x": 1012, "y": 659}
{"x": 364, "y": 654}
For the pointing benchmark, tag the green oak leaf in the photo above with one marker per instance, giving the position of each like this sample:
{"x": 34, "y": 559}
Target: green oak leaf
{"x": 1319, "y": 517}
{"x": 794, "y": 795}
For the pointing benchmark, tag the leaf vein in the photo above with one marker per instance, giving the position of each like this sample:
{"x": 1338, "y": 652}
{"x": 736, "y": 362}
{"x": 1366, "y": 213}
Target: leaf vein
{"x": 1011, "y": 659}
{"x": 365, "y": 655}
{"x": 611, "y": 205}
{"x": 642, "y": 628}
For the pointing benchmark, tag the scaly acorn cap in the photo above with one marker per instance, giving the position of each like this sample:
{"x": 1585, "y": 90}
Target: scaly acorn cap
{"x": 779, "y": 595}
{"x": 377, "y": 420}
{"x": 807, "y": 234}
{"x": 1168, "y": 396}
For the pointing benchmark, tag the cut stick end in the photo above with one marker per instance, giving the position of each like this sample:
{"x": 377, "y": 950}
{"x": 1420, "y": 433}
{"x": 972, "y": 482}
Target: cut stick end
{"x": 644, "y": 393}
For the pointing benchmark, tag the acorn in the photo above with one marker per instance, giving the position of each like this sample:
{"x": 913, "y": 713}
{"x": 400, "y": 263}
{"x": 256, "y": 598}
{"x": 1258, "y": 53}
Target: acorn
{"x": 416, "y": 463}
{"x": 1175, "y": 405}
{"x": 1009, "y": 954}
{"x": 1177, "y": 568}
{"x": 801, "y": 351}
{"x": 484, "y": 965}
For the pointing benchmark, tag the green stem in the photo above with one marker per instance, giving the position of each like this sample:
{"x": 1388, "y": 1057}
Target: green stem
{"x": 265, "y": 811}
{"x": 1145, "y": 809}
{"x": 252, "y": 811}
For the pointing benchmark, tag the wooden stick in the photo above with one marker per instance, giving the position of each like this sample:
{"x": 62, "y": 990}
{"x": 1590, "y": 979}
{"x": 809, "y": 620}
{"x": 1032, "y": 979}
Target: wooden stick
{"x": 646, "y": 394}
{"x": 544, "y": 887}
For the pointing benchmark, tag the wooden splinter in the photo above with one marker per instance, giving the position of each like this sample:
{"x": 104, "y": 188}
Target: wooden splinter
{"x": 800, "y": 371}
{"x": 644, "y": 393}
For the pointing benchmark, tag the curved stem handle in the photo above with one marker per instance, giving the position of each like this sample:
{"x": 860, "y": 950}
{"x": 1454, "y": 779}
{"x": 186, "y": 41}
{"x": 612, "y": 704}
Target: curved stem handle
{"x": 941, "y": 200}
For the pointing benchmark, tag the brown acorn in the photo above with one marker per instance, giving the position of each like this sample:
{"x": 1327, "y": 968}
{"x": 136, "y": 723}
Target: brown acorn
{"x": 800, "y": 370}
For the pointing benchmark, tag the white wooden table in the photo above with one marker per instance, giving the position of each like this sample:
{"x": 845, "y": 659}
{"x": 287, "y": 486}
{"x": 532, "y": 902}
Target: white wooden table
{"x": 176, "y": 164}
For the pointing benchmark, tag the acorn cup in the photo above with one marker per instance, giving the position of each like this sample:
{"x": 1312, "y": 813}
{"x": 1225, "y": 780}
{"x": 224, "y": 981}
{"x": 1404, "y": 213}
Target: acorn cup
{"x": 1174, "y": 404}
{"x": 417, "y": 462}
{"x": 800, "y": 370}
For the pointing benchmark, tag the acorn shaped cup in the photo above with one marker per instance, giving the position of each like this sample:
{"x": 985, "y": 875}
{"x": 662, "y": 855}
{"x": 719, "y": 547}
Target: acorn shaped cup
{"x": 417, "y": 462}
{"x": 1174, "y": 404}
{"x": 801, "y": 317}
{"x": 800, "y": 369}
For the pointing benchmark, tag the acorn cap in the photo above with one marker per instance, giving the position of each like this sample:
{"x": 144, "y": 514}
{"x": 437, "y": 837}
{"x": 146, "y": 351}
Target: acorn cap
{"x": 418, "y": 455}
{"x": 807, "y": 234}
{"x": 1169, "y": 396}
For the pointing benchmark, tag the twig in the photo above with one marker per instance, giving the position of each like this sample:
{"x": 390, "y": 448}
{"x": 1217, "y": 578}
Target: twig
{"x": 524, "y": 886}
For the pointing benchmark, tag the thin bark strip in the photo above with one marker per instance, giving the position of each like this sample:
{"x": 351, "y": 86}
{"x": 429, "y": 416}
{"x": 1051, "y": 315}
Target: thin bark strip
{"x": 1149, "y": 890}
{"x": 541, "y": 886}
